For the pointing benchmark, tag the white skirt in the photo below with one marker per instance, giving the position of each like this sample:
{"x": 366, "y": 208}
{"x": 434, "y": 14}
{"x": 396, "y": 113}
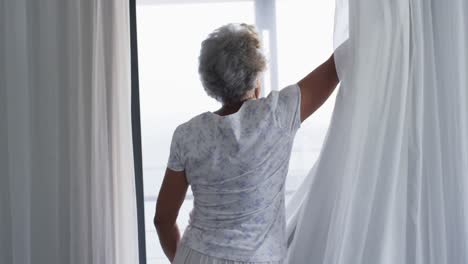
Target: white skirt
{"x": 186, "y": 255}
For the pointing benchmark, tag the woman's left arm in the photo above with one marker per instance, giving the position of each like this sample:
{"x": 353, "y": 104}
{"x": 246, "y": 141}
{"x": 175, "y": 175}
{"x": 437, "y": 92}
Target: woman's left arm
{"x": 170, "y": 199}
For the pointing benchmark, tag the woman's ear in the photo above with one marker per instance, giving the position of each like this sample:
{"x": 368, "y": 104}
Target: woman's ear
{"x": 258, "y": 89}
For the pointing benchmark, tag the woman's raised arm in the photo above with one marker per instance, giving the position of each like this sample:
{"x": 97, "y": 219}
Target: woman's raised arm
{"x": 317, "y": 86}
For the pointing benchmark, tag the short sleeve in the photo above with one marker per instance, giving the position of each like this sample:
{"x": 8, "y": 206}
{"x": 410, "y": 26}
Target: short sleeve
{"x": 176, "y": 162}
{"x": 288, "y": 108}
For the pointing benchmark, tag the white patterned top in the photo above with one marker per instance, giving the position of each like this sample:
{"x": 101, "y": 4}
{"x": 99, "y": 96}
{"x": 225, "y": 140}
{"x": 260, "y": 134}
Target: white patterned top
{"x": 236, "y": 166}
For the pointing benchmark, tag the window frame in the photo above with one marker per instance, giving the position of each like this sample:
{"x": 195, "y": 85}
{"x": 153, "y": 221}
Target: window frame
{"x": 136, "y": 133}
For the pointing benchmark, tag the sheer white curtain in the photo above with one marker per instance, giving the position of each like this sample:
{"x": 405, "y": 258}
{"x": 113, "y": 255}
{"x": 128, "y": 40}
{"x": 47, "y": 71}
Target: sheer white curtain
{"x": 391, "y": 184}
{"x": 66, "y": 162}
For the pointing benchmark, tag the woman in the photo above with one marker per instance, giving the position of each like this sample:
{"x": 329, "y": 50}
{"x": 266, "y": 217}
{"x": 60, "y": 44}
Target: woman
{"x": 236, "y": 158}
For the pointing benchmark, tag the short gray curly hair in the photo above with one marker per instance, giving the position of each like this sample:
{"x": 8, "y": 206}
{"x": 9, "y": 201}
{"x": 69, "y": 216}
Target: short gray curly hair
{"x": 231, "y": 61}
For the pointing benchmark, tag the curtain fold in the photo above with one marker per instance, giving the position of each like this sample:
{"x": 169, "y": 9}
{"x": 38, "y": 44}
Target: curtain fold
{"x": 391, "y": 183}
{"x": 66, "y": 159}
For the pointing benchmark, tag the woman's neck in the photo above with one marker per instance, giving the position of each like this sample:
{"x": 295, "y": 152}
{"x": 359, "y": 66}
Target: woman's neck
{"x": 228, "y": 109}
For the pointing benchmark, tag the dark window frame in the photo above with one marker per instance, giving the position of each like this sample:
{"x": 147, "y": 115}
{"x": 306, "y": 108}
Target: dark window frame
{"x": 136, "y": 133}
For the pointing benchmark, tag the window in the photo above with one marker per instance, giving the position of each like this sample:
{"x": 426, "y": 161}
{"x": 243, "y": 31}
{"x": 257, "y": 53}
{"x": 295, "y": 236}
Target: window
{"x": 305, "y": 40}
{"x": 297, "y": 36}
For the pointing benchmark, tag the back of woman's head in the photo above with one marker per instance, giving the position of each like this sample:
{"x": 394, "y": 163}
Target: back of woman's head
{"x": 231, "y": 61}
